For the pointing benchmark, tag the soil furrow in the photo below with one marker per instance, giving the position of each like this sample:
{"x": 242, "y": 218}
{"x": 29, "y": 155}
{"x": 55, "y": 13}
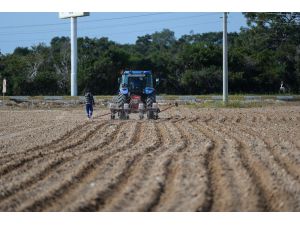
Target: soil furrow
{"x": 289, "y": 162}
{"x": 45, "y": 168}
{"x": 179, "y": 163}
{"x": 52, "y": 143}
{"x": 206, "y": 205}
{"x": 223, "y": 197}
{"x": 79, "y": 168}
{"x": 88, "y": 164}
{"x": 191, "y": 159}
{"x": 261, "y": 200}
{"x": 88, "y": 182}
{"x": 279, "y": 136}
{"x": 121, "y": 172}
{"x": 256, "y": 158}
{"x": 246, "y": 188}
{"x": 171, "y": 168}
{"x": 132, "y": 179}
{"x": 136, "y": 187}
{"x": 133, "y": 158}
{"x": 63, "y": 145}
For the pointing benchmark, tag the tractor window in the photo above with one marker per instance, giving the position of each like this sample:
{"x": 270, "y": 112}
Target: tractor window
{"x": 124, "y": 80}
{"x": 137, "y": 83}
{"x": 149, "y": 81}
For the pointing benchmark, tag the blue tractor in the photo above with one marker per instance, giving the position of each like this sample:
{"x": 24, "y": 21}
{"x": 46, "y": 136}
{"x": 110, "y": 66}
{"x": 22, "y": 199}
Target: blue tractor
{"x": 136, "y": 95}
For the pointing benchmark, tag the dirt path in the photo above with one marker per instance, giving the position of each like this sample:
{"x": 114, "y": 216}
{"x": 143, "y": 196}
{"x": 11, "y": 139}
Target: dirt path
{"x": 188, "y": 160}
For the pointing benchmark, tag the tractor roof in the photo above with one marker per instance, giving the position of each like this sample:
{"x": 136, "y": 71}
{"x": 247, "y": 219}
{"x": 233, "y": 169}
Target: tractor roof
{"x": 137, "y": 72}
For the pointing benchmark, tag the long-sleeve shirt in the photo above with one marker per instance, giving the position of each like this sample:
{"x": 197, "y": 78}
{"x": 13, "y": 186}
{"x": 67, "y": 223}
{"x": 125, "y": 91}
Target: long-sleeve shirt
{"x": 89, "y": 99}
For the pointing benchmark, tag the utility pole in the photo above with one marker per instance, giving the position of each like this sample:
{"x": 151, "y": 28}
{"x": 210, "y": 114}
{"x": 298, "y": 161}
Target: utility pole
{"x": 225, "y": 60}
{"x": 73, "y": 56}
{"x": 73, "y": 16}
{"x": 3, "y": 90}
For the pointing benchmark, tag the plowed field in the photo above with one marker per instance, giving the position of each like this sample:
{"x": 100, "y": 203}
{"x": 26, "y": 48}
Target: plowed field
{"x": 188, "y": 160}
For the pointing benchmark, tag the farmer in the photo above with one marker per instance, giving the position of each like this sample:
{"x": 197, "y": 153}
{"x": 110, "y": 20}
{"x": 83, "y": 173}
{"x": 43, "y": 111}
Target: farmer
{"x": 89, "y": 102}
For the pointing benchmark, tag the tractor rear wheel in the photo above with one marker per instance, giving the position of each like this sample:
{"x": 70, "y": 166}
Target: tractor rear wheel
{"x": 120, "y": 100}
{"x": 149, "y": 102}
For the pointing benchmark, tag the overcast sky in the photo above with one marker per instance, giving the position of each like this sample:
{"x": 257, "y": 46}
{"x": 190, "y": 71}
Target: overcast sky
{"x": 28, "y": 29}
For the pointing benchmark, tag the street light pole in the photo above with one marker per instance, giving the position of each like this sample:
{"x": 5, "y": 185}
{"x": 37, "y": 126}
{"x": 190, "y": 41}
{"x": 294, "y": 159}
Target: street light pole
{"x": 73, "y": 56}
{"x": 225, "y": 60}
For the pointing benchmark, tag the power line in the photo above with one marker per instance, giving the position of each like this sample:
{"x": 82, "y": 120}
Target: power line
{"x": 127, "y": 32}
{"x": 96, "y": 20}
{"x": 109, "y": 26}
{"x": 154, "y": 21}
{"x": 195, "y": 24}
{"x": 87, "y": 21}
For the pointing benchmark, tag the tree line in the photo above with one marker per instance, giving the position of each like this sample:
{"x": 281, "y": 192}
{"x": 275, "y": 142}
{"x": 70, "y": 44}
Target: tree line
{"x": 260, "y": 56}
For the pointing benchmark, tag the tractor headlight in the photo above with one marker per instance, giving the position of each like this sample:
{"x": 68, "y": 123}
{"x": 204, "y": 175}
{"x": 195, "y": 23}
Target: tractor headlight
{"x": 148, "y": 91}
{"x": 124, "y": 91}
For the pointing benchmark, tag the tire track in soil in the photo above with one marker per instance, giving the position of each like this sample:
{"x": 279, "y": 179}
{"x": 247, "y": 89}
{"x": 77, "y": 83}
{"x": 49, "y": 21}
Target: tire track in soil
{"x": 43, "y": 171}
{"x": 75, "y": 194}
{"x": 14, "y": 202}
{"x": 276, "y": 196}
{"x": 61, "y": 146}
{"x": 223, "y": 195}
{"x": 129, "y": 159}
{"x": 239, "y": 173}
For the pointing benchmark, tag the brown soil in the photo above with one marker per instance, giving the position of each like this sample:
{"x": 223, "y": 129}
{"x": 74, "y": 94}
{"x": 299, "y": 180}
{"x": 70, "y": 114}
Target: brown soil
{"x": 188, "y": 160}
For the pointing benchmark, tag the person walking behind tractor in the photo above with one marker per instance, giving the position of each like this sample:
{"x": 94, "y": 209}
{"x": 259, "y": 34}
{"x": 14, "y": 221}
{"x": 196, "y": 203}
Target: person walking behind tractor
{"x": 89, "y": 102}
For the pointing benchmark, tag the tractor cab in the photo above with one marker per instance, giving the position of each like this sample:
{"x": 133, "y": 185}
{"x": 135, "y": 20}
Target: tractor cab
{"x": 137, "y": 82}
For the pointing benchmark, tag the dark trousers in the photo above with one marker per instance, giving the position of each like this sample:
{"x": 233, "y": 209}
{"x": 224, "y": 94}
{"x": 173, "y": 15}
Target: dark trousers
{"x": 89, "y": 110}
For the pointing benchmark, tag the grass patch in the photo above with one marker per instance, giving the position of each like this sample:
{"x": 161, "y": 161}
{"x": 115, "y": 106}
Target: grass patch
{"x": 230, "y": 104}
{"x": 104, "y": 97}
